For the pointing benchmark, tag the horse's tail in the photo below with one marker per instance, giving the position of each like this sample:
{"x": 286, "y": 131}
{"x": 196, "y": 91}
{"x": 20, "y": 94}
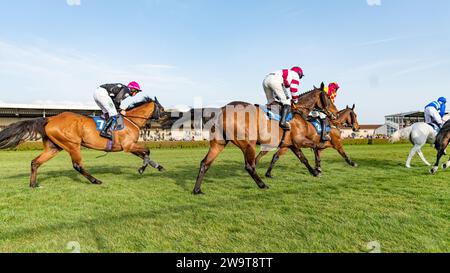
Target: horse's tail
{"x": 401, "y": 134}
{"x": 16, "y": 133}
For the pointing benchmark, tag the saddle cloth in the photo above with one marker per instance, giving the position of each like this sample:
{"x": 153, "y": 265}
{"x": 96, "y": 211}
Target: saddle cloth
{"x": 101, "y": 122}
{"x": 272, "y": 115}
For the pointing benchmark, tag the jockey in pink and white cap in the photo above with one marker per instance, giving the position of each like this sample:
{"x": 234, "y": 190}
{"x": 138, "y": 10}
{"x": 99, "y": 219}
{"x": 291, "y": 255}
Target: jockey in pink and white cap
{"x": 109, "y": 98}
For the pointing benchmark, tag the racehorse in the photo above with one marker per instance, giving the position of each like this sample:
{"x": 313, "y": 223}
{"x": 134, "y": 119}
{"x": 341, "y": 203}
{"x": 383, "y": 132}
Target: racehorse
{"x": 246, "y": 125}
{"x": 346, "y": 117}
{"x": 419, "y": 134}
{"x": 441, "y": 144}
{"x": 69, "y": 131}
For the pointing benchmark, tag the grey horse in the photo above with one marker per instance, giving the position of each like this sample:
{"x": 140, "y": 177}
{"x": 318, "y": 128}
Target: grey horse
{"x": 419, "y": 134}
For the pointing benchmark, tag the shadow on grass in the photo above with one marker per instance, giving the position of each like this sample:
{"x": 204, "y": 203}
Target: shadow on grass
{"x": 94, "y": 225}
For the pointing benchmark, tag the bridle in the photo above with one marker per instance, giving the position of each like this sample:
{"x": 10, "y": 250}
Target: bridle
{"x": 156, "y": 115}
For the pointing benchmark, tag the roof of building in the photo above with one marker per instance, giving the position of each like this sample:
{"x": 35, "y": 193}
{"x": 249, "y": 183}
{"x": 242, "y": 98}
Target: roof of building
{"x": 408, "y": 114}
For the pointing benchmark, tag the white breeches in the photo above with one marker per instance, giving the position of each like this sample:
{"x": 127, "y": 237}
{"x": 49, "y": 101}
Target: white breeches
{"x": 431, "y": 114}
{"x": 318, "y": 114}
{"x": 105, "y": 102}
{"x": 273, "y": 87}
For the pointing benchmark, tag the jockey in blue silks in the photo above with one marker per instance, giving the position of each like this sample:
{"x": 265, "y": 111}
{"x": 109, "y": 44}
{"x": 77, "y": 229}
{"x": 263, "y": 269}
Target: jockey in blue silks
{"x": 435, "y": 111}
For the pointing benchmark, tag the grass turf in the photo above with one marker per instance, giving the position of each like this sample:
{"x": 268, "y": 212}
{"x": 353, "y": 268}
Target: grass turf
{"x": 403, "y": 210}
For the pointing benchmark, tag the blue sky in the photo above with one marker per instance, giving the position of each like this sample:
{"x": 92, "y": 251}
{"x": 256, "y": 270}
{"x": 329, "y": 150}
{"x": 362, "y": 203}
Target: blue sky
{"x": 388, "y": 56}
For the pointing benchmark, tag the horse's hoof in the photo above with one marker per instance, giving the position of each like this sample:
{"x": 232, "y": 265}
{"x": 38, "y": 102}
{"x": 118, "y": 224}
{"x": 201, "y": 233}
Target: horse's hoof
{"x": 317, "y": 173}
{"x": 268, "y": 175}
{"x": 161, "y": 169}
{"x": 35, "y": 186}
{"x": 97, "y": 182}
{"x": 141, "y": 171}
{"x": 408, "y": 167}
{"x": 445, "y": 166}
{"x": 433, "y": 171}
{"x": 355, "y": 165}
{"x": 264, "y": 187}
{"x": 197, "y": 192}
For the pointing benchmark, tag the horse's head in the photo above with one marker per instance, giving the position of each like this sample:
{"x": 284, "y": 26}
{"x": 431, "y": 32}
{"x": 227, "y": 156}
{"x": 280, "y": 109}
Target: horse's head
{"x": 318, "y": 99}
{"x": 348, "y": 117}
{"x": 160, "y": 113}
{"x": 146, "y": 110}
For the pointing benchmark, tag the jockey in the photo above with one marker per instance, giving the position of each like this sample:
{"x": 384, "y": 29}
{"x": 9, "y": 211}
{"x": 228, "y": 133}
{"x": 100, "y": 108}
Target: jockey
{"x": 331, "y": 91}
{"x": 435, "y": 111}
{"x": 109, "y": 98}
{"x": 276, "y": 86}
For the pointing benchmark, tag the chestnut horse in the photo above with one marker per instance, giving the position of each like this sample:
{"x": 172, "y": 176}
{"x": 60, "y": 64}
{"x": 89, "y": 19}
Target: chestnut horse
{"x": 69, "y": 131}
{"x": 246, "y": 126}
{"x": 346, "y": 118}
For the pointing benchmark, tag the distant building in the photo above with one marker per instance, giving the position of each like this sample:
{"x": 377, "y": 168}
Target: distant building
{"x": 399, "y": 121}
{"x": 11, "y": 113}
{"x": 366, "y": 131}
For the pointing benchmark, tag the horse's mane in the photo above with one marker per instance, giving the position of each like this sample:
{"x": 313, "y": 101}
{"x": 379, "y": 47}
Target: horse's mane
{"x": 309, "y": 92}
{"x": 145, "y": 100}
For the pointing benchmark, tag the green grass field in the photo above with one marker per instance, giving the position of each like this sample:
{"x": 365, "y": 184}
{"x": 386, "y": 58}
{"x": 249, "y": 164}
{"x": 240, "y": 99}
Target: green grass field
{"x": 403, "y": 210}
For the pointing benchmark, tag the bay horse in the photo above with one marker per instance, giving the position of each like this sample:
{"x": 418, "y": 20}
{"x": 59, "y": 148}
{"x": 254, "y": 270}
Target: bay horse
{"x": 441, "y": 144}
{"x": 246, "y": 125}
{"x": 345, "y": 118}
{"x": 69, "y": 131}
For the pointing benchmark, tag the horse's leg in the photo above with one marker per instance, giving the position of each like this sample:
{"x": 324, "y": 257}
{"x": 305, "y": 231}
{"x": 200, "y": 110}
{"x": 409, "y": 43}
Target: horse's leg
{"x": 436, "y": 165}
{"x": 317, "y": 153}
{"x": 446, "y": 165}
{"x": 260, "y": 156}
{"x": 215, "y": 149}
{"x": 250, "y": 165}
{"x": 440, "y": 154}
{"x": 337, "y": 145}
{"x": 50, "y": 151}
{"x": 144, "y": 154}
{"x": 413, "y": 152}
{"x": 301, "y": 156}
{"x": 280, "y": 152}
{"x": 75, "y": 154}
{"x": 422, "y": 156}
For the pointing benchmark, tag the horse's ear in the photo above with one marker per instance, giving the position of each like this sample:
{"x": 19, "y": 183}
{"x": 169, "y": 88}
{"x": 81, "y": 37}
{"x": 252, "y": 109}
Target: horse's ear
{"x": 314, "y": 87}
{"x": 156, "y": 100}
{"x": 347, "y": 107}
{"x": 353, "y": 108}
{"x": 322, "y": 86}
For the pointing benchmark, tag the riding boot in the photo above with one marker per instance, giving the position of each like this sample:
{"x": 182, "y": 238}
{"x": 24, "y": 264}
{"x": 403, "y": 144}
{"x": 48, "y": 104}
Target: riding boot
{"x": 325, "y": 125}
{"x": 284, "y": 113}
{"x": 105, "y": 132}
